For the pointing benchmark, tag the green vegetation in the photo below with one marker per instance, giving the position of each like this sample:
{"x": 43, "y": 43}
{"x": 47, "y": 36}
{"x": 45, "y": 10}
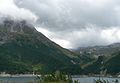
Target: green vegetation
{"x": 109, "y": 66}
{"x": 113, "y": 64}
{"x": 23, "y": 52}
{"x": 56, "y": 77}
{"x": 95, "y": 66}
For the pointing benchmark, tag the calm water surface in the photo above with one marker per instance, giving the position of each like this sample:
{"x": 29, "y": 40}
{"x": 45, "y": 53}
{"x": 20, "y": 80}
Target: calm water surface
{"x": 92, "y": 79}
{"x": 17, "y": 79}
{"x": 33, "y": 79}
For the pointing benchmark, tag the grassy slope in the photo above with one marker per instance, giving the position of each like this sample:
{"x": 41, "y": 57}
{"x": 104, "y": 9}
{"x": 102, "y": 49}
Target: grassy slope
{"x": 23, "y": 53}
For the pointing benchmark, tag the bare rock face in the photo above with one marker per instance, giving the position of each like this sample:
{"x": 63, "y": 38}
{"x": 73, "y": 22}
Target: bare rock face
{"x": 10, "y": 28}
{"x": 18, "y": 26}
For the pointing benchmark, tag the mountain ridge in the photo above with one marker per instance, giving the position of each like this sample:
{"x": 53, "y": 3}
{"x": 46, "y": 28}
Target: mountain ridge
{"x": 24, "y": 49}
{"x": 102, "y": 59}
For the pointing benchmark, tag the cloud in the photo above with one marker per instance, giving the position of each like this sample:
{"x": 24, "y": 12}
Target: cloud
{"x": 69, "y": 14}
{"x": 91, "y": 36}
{"x": 111, "y": 35}
{"x": 82, "y": 22}
{"x": 8, "y": 9}
{"x": 56, "y": 38}
{"x": 94, "y": 37}
{"x": 70, "y": 23}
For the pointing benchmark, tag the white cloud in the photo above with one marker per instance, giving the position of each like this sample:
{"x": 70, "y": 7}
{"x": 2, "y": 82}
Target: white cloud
{"x": 90, "y": 36}
{"x": 9, "y": 9}
{"x": 111, "y": 35}
{"x": 70, "y": 23}
{"x": 74, "y": 14}
{"x": 62, "y": 42}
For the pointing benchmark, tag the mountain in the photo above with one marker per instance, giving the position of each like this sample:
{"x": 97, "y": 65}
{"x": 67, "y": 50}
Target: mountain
{"x": 23, "y": 49}
{"x": 113, "y": 64}
{"x": 89, "y": 54}
{"x": 103, "y": 65}
{"x": 101, "y": 59}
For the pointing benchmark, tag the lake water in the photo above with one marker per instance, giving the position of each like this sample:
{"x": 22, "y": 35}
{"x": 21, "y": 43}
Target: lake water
{"x": 17, "y": 79}
{"x": 92, "y": 79}
{"x": 33, "y": 79}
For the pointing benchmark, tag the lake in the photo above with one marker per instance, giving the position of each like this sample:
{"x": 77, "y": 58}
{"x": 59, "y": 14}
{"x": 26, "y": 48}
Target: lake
{"x": 26, "y": 79}
{"x": 21, "y": 79}
{"x": 92, "y": 79}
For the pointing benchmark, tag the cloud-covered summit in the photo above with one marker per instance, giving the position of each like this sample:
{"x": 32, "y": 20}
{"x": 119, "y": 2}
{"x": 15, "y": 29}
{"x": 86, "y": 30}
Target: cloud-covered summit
{"x": 70, "y": 23}
{"x": 8, "y": 9}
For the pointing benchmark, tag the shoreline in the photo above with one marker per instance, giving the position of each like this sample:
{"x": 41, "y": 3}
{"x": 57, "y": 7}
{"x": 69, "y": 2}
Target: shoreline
{"x": 73, "y": 76}
{"x": 19, "y": 75}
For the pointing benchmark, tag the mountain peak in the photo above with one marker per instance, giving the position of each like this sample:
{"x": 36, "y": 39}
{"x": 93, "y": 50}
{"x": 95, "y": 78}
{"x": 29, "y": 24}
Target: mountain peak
{"x": 115, "y": 44}
{"x": 17, "y": 26}
{"x": 32, "y": 50}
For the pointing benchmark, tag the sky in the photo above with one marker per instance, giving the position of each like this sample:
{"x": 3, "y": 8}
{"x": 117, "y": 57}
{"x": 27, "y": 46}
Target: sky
{"x": 69, "y": 23}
